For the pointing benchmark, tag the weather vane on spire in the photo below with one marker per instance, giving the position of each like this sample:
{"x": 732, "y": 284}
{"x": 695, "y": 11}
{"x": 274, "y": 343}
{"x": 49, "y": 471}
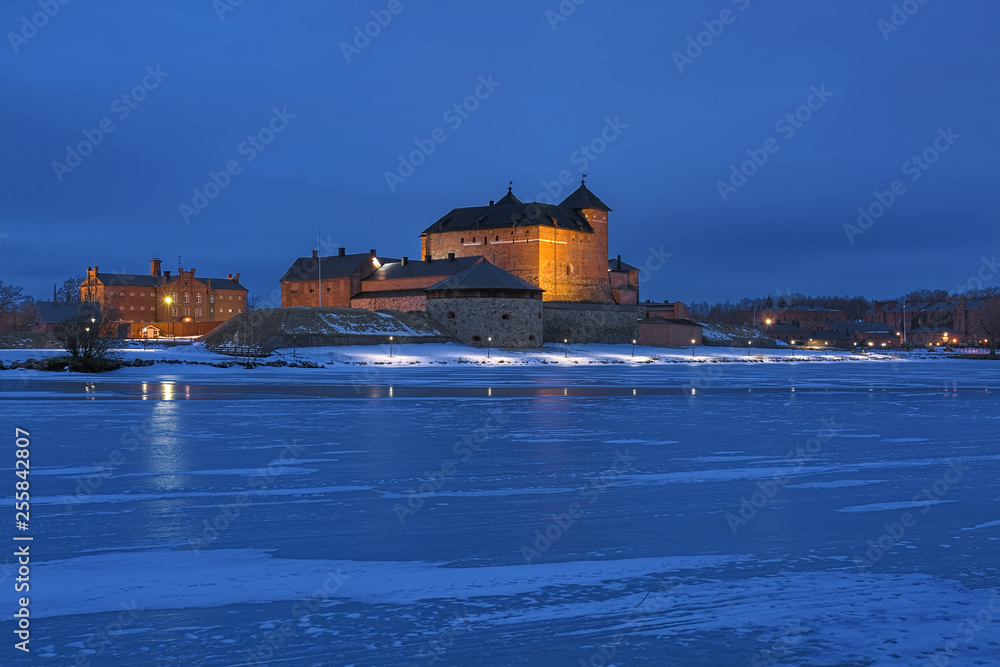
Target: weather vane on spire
{"x": 510, "y": 188}
{"x": 582, "y": 180}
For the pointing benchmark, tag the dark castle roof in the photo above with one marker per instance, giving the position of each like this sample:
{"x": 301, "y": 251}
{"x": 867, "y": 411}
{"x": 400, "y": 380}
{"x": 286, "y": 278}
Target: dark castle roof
{"x": 434, "y": 268}
{"x": 335, "y": 266}
{"x": 146, "y": 280}
{"x": 512, "y": 212}
{"x": 584, "y": 198}
{"x": 484, "y": 276}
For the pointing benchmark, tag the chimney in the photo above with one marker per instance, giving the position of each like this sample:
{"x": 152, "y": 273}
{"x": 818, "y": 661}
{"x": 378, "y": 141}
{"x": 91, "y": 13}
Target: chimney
{"x": 451, "y": 257}
{"x": 315, "y": 254}
{"x": 403, "y": 261}
{"x": 55, "y": 299}
{"x": 341, "y": 252}
{"x": 166, "y": 276}
{"x": 154, "y": 267}
{"x": 236, "y": 277}
{"x": 619, "y": 262}
{"x": 229, "y": 276}
{"x": 491, "y": 202}
{"x": 372, "y": 252}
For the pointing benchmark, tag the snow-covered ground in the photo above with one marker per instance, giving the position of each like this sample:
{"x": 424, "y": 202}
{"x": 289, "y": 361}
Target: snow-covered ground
{"x": 534, "y": 513}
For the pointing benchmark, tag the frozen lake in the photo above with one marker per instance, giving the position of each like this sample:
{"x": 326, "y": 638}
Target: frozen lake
{"x": 711, "y": 514}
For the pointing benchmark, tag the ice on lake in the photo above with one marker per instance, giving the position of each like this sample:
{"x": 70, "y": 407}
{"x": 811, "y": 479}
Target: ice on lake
{"x": 814, "y": 514}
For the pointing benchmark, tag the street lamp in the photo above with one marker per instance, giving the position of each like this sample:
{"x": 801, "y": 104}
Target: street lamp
{"x": 489, "y": 340}
{"x": 566, "y": 348}
{"x": 749, "y": 343}
{"x": 692, "y": 348}
{"x": 390, "y": 347}
{"x": 633, "y": 347}
{"x": 168, "y": 301}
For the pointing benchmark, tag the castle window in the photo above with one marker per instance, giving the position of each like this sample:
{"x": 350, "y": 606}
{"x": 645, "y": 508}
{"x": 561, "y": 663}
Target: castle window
{"x": 450, "y": 315}
{"x": 505, "y": 316}
{"x": 476, "y": 339}
{"x": 531, "y": 337}
{"x": 462, "y": 240}
{"x": 498, "y": 237}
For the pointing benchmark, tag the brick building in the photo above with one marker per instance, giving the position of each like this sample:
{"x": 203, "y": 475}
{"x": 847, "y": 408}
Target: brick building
{"x": 805, "y": 316}
{"x": 562, "y": 248}
{"x": 164, "y": 298}
{"x": 929, "y": 321}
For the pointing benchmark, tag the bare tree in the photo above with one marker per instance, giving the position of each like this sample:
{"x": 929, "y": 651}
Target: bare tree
{"x": 69, "y": 291}
{"x": 90, "y": 337}
{"x": 989, "y": 323}
{"x": 10, "y": 297}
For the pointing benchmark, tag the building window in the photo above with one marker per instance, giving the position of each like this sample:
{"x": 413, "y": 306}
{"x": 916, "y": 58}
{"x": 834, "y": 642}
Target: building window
{"x": 531, "y": 337}
{"x": 142, "y": 307}
{"x": 131, "y": 293}
{"x": 197, "y": 312}
{"x": 187, "y": 312}
{"x": 197, "y": 298}
{"x": 505, "y": 316}
{"x": 131, "y": 307}
{"x": 211, "y": 298}
{"x": 142, "y": 294}
{"x": 450, "y": 315}
{"x": 173, "y": 311}
{"x": 462, "y": 240}
{"x": 230, "y": 310}
{"x": 476, "y": 339}
{"x": 187, "y": 297}
{"x": 240, "y": 298}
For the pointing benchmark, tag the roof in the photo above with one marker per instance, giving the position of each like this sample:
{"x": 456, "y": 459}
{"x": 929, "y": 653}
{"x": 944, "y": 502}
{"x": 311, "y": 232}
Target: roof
{"x": 335, "y": 266}
{"x": 55, "y": 312}
{"x": 417, "y": 269}
{"x": 133, "y": 279}
{"x": 670, "y": 320}
{"x": 618, "y": 265}
{"x": 484, "y": 276}
{"x": 146, "y": 280}
{"x": 505, "y": 216}
{"x": 583, "y": 198}
{"x": 509, "y": 198}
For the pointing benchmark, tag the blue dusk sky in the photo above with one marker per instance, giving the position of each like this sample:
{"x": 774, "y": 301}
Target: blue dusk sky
{"x": 734, "y": 140}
